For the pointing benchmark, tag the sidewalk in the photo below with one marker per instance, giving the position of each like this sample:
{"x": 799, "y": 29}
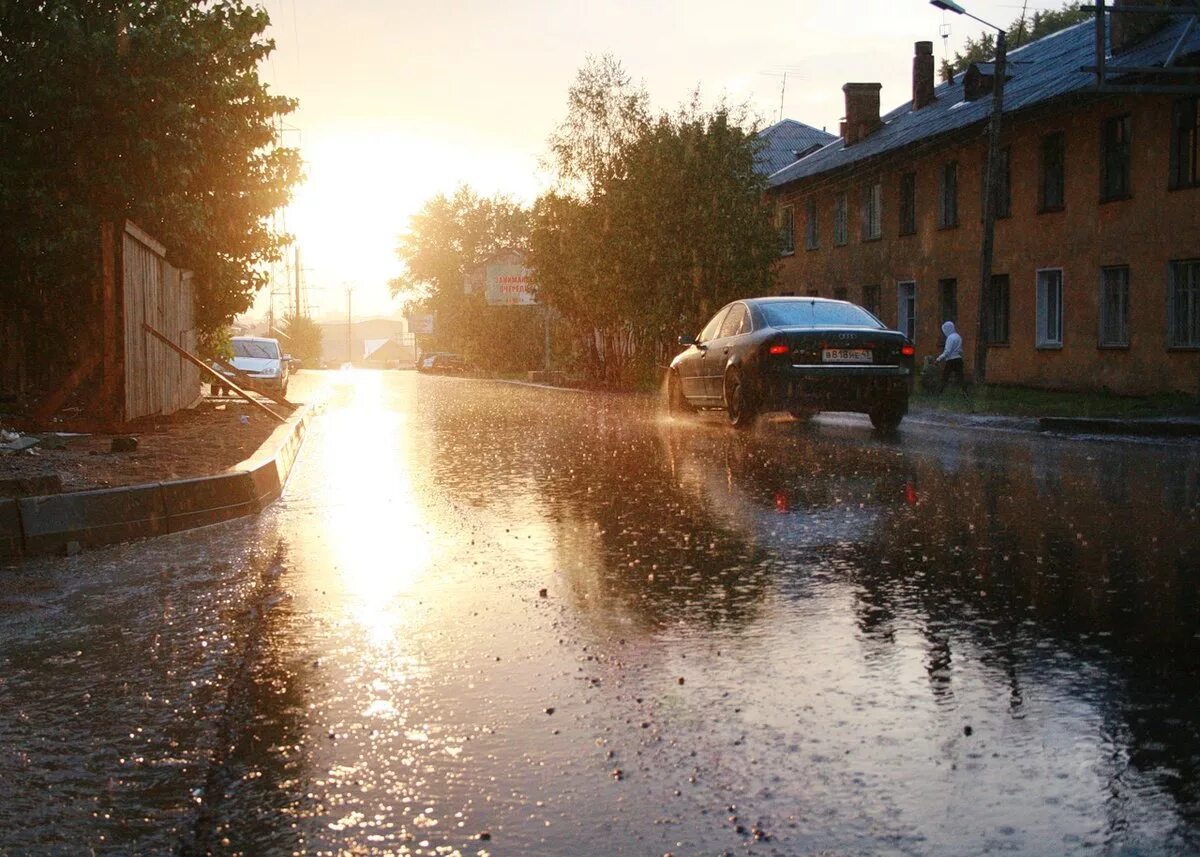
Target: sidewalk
{"x": 1160, "y": 426}
{"x": 66, "y": 523}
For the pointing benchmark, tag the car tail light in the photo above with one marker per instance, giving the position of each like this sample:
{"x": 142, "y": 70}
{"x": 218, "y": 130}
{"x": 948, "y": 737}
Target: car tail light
{"x": 778, "y": 348}
{"x": 907, "y": 350}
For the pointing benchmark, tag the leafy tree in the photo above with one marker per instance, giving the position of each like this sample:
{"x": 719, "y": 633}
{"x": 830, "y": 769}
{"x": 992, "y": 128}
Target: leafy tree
{"x": 605, "y": 112}
{"x": 448, "y": 239}
{"x": 302, "y": 338}
{"x": 668, "y": 223}
{"x": 147, "y": 110}
{"x": 1043, "y": 23}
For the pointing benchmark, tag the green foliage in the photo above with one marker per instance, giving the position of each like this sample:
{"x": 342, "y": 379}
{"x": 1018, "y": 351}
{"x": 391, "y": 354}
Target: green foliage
{"x": 448, "y": 238}
{"x": 668, "y": 223}
{"x": 605, "y": 113}
{"x": 655, "y": 222}
{"x": 1021, "y": 31}
{"x": 147, "y": 110}
{"x": 302, "y": 338}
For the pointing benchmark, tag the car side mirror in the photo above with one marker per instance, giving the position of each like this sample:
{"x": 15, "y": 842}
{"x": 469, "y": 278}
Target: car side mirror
{"x": 687, "y": 339}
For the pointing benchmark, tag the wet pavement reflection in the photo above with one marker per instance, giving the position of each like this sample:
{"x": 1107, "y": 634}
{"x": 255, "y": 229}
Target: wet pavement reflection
{"x": 490, "y": 619}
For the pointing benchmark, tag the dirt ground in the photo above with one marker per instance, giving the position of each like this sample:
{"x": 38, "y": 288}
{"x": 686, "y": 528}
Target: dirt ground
{"x": 207, "y": 439}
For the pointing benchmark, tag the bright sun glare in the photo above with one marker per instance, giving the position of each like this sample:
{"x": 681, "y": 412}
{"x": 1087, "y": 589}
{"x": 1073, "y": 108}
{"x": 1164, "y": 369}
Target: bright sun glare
{"x": 361, "y": 189}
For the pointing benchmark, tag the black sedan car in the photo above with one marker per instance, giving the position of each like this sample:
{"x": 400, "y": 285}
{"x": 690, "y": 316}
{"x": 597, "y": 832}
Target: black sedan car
{"x": 794, "y": 354}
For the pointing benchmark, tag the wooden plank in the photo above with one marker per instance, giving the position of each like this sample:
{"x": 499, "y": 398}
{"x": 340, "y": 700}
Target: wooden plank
{"x": 251, "y": 384}
{"x": 139, "y": 235}
{"x": 204, "y": 367}
{"x": 111, "y": 392}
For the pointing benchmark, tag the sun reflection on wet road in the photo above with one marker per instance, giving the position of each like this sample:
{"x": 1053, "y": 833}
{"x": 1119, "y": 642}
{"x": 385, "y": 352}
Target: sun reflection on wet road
{"x": 374, "y": 532}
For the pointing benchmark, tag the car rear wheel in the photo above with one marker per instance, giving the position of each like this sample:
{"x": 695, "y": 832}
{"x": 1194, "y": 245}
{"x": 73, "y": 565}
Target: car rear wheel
{"x": 739, "y": 401}
{"x": 887, "y": 414}
{"x": 677, "y": 403}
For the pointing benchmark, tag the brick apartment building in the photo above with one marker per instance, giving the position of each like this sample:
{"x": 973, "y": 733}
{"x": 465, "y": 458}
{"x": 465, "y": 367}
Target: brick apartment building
{"x": 1096, "y": 267}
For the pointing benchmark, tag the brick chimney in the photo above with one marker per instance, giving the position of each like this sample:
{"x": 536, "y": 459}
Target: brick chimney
{"x": 862, "y": 111}
{"x": 1129, "y": 28}
{"x": 922, "y": 75}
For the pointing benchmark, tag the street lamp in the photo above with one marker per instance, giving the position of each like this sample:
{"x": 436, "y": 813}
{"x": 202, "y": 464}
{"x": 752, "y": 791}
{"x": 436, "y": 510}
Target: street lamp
{"x": 983, "y": 318}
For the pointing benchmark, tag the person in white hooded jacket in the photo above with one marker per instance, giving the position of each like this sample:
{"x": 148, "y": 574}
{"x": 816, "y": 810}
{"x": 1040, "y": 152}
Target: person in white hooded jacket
{"x": 951, "y": 357}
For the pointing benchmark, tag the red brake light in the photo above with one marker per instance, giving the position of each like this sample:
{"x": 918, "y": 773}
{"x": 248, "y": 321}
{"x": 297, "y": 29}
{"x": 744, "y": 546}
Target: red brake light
{"x": 778, "y": 348}
{"x": 907, "y": 350}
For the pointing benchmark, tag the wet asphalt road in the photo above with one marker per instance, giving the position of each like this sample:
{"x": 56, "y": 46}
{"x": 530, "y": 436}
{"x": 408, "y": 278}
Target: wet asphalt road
{"x": 488, "y": 619}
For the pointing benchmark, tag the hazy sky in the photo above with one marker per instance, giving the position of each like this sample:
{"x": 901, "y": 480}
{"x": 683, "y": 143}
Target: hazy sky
{"x": 402, "y": 100}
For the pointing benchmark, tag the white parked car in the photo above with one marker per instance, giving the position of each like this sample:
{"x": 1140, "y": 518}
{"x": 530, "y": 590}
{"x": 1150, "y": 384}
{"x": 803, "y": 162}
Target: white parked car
{"x": 260, "y": 358}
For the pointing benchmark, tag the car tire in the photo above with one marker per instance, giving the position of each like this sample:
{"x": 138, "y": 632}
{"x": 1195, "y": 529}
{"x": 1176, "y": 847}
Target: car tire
{"x": 677, "y": 403}
{"x": 886, "y": 414}
{"x": 740, "y": 405}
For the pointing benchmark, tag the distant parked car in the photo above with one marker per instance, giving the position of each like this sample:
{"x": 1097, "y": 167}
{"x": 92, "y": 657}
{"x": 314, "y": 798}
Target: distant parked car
{"x": 442, "y": 363}
{"x": 262, "y": 359}
{"x": 801, "y": 355}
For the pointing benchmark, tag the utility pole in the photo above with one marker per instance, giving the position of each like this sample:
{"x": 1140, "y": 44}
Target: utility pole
{"x": 349, "y": 326}
{"x": 992, "y": 179}
{"x": 983, "y": 328}
{"x": 299, "y": 306}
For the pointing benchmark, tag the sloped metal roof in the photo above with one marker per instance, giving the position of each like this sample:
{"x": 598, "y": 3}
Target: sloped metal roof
{"x": 783, "y": 140}
{"x": 1036, "y": 73}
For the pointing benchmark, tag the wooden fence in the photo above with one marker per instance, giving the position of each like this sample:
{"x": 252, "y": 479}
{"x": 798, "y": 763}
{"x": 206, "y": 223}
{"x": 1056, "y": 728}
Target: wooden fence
{"x": 156, "y": 380}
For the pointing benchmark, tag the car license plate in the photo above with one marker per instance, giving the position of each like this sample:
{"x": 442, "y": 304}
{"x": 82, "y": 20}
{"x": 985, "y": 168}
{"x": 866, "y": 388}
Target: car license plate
{"x": 846, "y": 355}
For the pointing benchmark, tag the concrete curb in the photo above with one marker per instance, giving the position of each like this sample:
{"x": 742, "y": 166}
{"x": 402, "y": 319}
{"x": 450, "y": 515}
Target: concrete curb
{"x": 61, "y": 523}
{"x": 1134, "y": 427}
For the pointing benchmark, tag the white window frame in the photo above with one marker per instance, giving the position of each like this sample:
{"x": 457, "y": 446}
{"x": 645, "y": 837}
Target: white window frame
{"x": 873, "y": 212}
{"x": 1119, "y": 327}
{"x": 1187, "y": 303}
{"x": 906, "y": 308}
{"x": 1049, "y": 329}
{"x": 840, "y": 230}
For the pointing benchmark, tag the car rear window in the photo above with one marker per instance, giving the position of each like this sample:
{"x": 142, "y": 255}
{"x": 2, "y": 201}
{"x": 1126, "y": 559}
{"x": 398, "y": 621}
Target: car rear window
{"x": 816, "y": 314}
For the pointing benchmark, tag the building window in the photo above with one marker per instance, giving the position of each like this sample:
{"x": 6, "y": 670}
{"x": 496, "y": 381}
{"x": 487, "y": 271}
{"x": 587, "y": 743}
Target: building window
{"x": 839, "y": 220}
{"x": 1185, "y": 143}
{"x": 1114, "y": 158}
{"x": 812, "y": 235}
{"x": 948, "y": 199}
{"x": 1053, "y": 184}
{"x": 787, "y": 231}
{"x": 1049, "y": 308}
{"x": 1185, "y": 304}
{"x": 908, "y": 204}
{"x": 947, "y": 300}
{"x": 906, "y": 309}
{"x": 873, "y": 212}
{"x": 997, "y": 330}
{"x": 870, "y": 299}
{"x": 1003, "y": 185}
{"x": 1114, "y": 307}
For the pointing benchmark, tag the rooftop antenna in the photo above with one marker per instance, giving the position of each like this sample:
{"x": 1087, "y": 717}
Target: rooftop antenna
{"x": 782, "y": 91}
{"x": 1021, "y": 26}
